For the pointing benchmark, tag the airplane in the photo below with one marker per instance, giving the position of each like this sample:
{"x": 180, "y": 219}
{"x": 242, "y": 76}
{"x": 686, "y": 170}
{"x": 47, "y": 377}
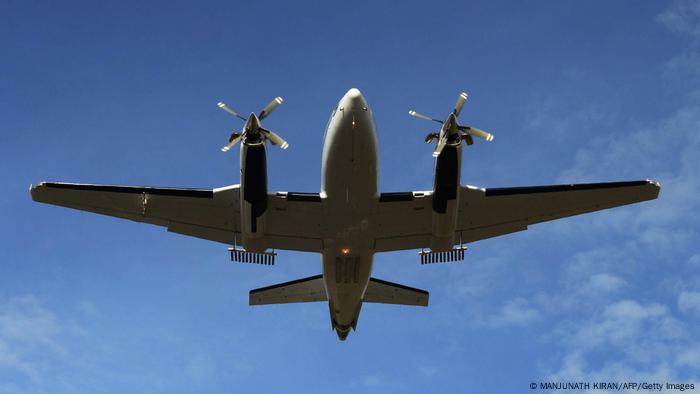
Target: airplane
{"x": 349, "y": 219}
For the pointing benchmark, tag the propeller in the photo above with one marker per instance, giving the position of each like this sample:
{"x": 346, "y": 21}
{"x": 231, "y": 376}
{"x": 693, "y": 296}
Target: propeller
{"x": 253, "y": 128}
{"x": 451, "y": 131}
{"x": 421, "y": 116}
{"x": 270, "y": 107}
{"x": 230, "y": 110}
{"x": 460, "y": 103}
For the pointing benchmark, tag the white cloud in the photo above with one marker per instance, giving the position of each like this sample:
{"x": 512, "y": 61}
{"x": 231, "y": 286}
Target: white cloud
{"x": 694, "y": 260}
{"x": 599, "y": 266}
{"x": 642, "y": 341}
{"x": 24, "y": 320}
{"x": 683, "y": 18}
{"x": 577, "y": 369}
{"x": 665, "y": 151}
{"x": 685, "y": 65}
{"x": 606, "y": 327}
{"x": 636, "y": 339}
{"x": 480, "y": 279}
{"x": 602, "y": 284}
{"x": 689, "y": 356}
{"x": 619, "y": 324}
{"x": 689, "y": 302}
{"x": 589, "y": 262}
{"x": 26, "y": 329}
{"x": 633, "y": 311}
{"x": 548, "y": 119}
{"x": 11, "y": 359}
{"x": 517, "y": 312}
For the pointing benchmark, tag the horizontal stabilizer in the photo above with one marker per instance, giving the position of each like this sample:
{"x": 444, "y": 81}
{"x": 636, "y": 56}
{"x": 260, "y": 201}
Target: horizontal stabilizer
{"x": 383, "y": 292}
{"x": 301, "y": 290}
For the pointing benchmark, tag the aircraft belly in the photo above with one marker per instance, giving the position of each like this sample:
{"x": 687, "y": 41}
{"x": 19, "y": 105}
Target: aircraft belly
{"x": 346, "y": 278}
{"x": 350, "y": 194}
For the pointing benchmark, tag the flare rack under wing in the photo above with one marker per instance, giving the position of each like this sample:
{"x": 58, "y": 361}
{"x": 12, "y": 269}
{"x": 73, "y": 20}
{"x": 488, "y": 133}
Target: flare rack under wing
{"x": 484, "y": 213}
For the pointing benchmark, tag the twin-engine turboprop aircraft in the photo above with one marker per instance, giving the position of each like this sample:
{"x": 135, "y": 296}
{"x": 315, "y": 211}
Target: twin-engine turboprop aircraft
{"x": 349, "y": 220}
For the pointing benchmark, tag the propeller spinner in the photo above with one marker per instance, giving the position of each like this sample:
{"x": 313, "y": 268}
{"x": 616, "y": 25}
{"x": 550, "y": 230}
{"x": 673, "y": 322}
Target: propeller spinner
{"x": 452, "y": 132}
{"x": 253, "y": 129}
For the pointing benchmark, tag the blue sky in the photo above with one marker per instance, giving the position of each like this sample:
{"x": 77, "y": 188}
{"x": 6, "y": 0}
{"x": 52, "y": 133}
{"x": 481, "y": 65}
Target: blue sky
{"x": 125, "y": 93}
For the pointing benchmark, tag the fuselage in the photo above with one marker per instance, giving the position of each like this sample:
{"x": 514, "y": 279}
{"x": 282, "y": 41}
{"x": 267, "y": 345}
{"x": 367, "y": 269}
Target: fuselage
{"x": 349, "y": 191}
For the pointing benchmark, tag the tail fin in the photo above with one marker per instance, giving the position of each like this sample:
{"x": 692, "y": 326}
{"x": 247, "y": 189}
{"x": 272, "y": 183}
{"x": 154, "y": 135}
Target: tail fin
{"x": 383, "y": 292}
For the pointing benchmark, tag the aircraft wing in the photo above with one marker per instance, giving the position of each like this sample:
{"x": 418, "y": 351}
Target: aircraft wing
{"x": 295, "y": 221}
{"x": 211, "y": 214}
{"x": 404, "y": 219}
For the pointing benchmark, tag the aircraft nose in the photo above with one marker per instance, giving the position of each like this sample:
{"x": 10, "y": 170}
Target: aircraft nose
{"x": 342, "y": 335}
{"x": 353, "y": 99}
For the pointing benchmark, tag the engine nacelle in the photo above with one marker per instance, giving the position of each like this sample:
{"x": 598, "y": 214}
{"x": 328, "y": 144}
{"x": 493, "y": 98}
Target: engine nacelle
{"x": 253, "y": 196}
{"x": 444, "y": 226}
{"x": 448, "y": 168}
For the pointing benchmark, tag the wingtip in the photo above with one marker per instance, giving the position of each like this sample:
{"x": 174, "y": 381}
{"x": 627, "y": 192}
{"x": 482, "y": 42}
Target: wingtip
{"x": 34, "y": 189}
{"x": 655, "y": 184}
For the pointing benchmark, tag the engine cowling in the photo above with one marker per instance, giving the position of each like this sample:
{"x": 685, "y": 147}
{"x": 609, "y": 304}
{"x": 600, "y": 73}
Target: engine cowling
{"x": 448, "y": 167}
{"x": 253, "y": 196}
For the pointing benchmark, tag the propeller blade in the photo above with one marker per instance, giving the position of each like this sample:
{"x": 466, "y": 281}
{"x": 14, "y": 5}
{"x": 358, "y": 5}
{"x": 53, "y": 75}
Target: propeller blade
{"x": 231, "y": 143}
{"x": 270, "y": 107}
{"x": 440, "y": 146}
{"x": 477, "y": 133}
{"x": 460, "y": 103}
{"x": 230, "y": 110}
{"x": 275, "y": 139}
{"x": 421, "y": 116}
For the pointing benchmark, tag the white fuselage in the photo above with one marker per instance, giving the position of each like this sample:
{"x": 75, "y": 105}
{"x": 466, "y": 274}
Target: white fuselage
{"x": 349, "y": 191}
